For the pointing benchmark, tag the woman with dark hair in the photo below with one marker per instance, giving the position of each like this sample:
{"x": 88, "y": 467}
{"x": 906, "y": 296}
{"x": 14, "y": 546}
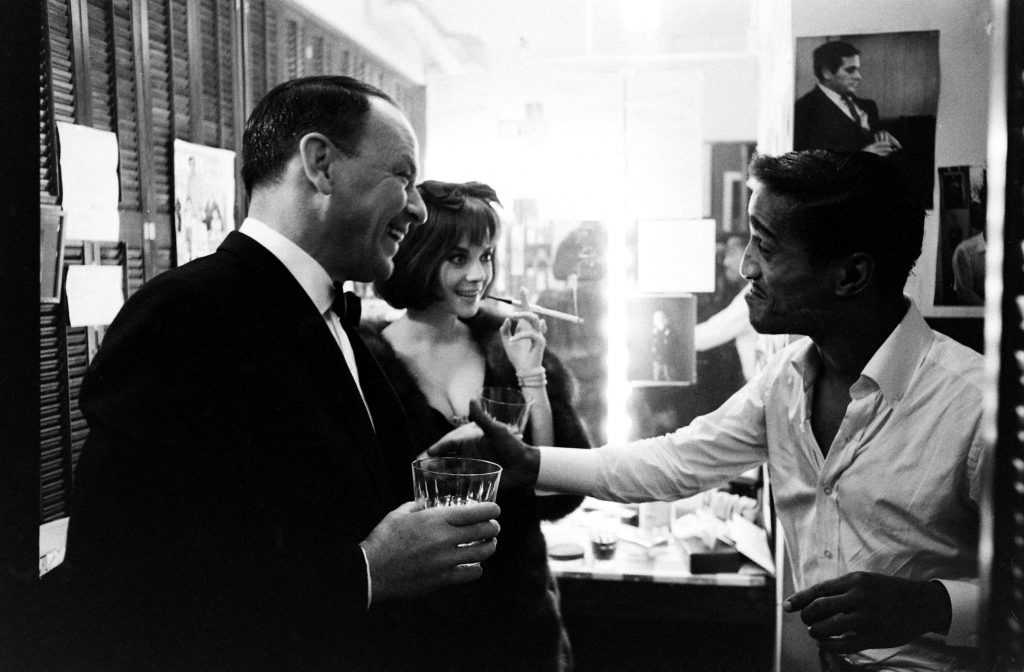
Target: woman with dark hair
{"x": 438, "y": 356}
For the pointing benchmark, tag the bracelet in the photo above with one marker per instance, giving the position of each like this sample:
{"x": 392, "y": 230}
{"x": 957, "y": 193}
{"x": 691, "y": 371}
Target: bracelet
{"x": 533, "y": 379}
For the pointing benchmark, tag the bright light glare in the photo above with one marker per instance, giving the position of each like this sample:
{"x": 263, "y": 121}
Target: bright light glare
{"x": 617, "y": 390}
{"x": 641, "y": 16}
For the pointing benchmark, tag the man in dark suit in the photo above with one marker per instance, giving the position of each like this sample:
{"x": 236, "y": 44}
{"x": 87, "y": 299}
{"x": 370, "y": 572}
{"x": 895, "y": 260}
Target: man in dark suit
{"x": 831, "y": 116}
{"x": 233, "y": 503}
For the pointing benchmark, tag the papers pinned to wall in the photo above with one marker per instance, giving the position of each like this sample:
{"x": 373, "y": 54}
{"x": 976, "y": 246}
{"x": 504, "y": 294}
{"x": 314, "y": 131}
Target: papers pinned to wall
{"x": 95, "y": 294}
{"x": 89, "y": 183}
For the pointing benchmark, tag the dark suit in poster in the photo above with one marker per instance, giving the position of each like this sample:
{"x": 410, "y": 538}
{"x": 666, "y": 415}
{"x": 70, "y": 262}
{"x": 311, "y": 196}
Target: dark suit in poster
{"x": 819, "y": 124}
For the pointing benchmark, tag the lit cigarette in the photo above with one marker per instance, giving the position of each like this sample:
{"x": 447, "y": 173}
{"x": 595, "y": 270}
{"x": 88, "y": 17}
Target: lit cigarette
{"x": 540, "y": 310}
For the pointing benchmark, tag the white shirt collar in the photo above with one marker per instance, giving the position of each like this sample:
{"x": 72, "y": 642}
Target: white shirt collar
{"x": 307, "y": 270}
{"x": 833, "y": 96}
{"x": 890, "y": 369}
{"x": 893, "y": 365}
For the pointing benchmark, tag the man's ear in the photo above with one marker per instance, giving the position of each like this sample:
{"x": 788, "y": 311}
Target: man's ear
{"x": 855, "y": 272}
{"x": 315, "y": 152}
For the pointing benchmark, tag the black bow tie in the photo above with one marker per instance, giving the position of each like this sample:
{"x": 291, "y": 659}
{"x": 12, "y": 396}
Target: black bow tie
{"x": 347, "y": 307}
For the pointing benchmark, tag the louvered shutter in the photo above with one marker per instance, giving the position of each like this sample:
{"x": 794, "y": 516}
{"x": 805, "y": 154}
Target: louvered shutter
{"x": 290, "y": 48}
{"x": 76, "y": 359}
{"x": 101, "y": 64}
{"x": 226, "y": 112}
{"x": 273, "y": 46}
{"x": 126, "y": 107}
{"x": 55, "y": 466}
{"x": 256, "y": 56}
{"x": 316, "y": 61}
{"x": 181, "y": 77}
{"x": 161, "y": 94}
{"x": 57, "y": 93}
{"x": 208, "y": 17}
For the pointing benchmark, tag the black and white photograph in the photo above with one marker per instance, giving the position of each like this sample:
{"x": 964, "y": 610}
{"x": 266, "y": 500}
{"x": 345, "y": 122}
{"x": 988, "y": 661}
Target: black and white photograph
{"x": 871, "y": 92}
{"x": 659, "y": 339}
{"x": 512, "y": 336}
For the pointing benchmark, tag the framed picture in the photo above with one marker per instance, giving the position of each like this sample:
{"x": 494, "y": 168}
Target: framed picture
{"x": 875, "y": 92}
{"x": 659, "y": 340}
{"x": 960, "y": 254}
{"x": 204, "y": 199}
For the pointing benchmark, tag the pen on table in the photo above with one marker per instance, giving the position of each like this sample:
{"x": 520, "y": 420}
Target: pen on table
{"x": 540, "y": 310}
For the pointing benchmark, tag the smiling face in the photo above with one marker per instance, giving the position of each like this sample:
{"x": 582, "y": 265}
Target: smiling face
{"x": 790, "y": 292}
{"x": 373, "y": 201}
{"x": 464, "y": 276}
{"x": 846, "y": 77}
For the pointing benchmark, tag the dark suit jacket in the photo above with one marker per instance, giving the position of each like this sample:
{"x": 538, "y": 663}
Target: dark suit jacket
{"x": 819, "y": 124}
{"x": 229, "y": 474}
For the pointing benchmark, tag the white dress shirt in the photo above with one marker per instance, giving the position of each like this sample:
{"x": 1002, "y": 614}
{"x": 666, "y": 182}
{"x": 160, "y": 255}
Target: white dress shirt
{"x": 897, "y": 494}
{"x": 320, "y": 288}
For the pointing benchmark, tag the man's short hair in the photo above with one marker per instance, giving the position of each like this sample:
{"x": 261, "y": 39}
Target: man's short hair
{"x": 847, "y": 203}
{"x": 829, "y": 56}
{"x": 334, "y": 105}
{"x": 452, "y": 213}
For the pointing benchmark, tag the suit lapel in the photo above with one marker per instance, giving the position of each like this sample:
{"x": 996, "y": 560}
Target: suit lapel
{"x": 284, "y": 300}
{"x": 327, "y": 361}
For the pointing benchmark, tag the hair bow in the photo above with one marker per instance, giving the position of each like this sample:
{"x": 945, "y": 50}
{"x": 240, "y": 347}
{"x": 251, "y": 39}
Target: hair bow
{"x": 452, "y": 195}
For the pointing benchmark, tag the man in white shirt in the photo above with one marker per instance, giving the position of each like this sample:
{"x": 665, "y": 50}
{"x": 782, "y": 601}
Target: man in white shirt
{"x": 238, "y": 503}
{"x": 871, "y": 428}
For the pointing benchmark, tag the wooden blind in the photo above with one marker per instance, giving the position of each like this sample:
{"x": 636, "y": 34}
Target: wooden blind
{"x": 54, "y": 444}
{"x": 57, "y": 93}
{"x": 126, "y": 109}
{"x": 181, "y": 74}
{"x": 161, "y": 93}
{"x": 256, "y": 57}
{"x": 101, "y": 65}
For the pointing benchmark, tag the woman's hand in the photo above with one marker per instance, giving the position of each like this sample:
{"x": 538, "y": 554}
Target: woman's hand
{"x": 525, "y": 346}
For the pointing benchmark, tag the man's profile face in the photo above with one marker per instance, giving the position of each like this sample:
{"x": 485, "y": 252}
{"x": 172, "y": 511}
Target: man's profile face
{"x": 790, "y": 292}
{"x": 374, "y": 201}
{"x": 846, "y": 77}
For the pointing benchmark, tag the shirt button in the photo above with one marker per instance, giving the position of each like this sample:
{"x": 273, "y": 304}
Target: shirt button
{"x": 828, "y": 554}
{"x": 827, "y": 490}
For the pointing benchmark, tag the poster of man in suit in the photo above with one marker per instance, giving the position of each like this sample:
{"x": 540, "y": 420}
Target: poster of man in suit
{"x": 872, "y": 92}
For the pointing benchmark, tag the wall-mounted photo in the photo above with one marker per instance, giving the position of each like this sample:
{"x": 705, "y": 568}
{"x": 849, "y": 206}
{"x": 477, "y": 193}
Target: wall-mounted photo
{"x": 960, "y": 266}
{"x": 871, "y": 92}
{"x": 659, "y": 340}
{"x": 204, "y": 198}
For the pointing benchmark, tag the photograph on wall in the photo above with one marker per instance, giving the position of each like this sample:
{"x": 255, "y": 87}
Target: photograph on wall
{"x": 875, "y": 92}
{"x": 960, "y": 266}
{"x": 204, "y": 199}
{"x": 659, "y": 340}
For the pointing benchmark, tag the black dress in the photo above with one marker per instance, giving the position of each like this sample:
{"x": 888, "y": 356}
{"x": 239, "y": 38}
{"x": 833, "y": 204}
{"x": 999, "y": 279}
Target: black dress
{"x": 510, "y": 619}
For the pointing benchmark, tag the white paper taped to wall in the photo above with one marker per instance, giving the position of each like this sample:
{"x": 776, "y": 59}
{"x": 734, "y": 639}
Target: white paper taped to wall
{"x": 95, "y": 294}
{"x": 89, "y": 183}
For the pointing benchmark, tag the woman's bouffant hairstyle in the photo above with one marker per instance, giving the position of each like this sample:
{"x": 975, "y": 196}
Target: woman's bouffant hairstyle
{"x": 454, "y": 210}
